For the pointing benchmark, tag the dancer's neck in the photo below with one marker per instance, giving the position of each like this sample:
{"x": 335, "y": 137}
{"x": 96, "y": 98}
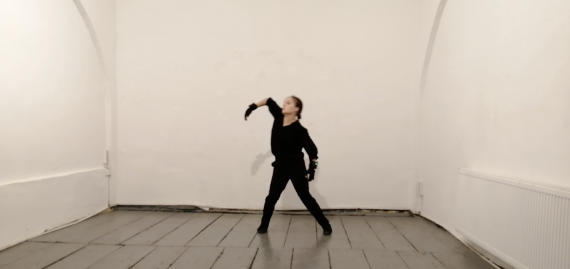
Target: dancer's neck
{"x": 289, "y": 119}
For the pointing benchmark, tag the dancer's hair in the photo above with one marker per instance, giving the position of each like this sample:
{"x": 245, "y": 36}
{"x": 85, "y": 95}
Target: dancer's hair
{"x": 299, "y": 104}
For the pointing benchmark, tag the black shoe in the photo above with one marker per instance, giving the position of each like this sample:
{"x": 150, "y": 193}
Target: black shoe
{"x": 261, "y": 230}
{"x": 327, "y": 231}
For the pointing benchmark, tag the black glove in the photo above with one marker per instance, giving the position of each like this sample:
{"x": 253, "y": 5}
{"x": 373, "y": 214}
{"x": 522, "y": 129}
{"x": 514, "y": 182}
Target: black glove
{"x": 251, "y": 108}
{"x": 312, "y": 170}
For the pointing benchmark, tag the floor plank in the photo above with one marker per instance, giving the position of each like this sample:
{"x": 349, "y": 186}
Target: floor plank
{"x": 45, "y": 256}
{"x": 188, "y": 230}
{"x": 390, "y": 237}
{"x": 416, "y": 260}
{"x": 360, "y": 235}
{"x": 160, "y": 258}
{"x": 276, "y": 235}
{"x": 444, "y": 237}
{"x": 124, "y": 233}
{"x": 155, "y": 233}
{"x": 458, "y": 260}
{"x": 312, "y": 258}
{"x": 379, "y": 259}
{"x": 85, "y": 257}
{"x": 20, "y": 251}
{"x": 337, "y": 240}
{"x": 302, "y": 233}
{"x": 198, "y": 258}
{"x": 104, "y": 228}
{"x": 274, "y": 258}
{"x": 235, "y": 258}
{"x": 348, "y": 259}
{"x": 418, "y": 235}
{"x": 243, "y": 233}
{"x": 123, "y": 258}
{"x": 66, "y": 232}
{"x": 215, "y": 233}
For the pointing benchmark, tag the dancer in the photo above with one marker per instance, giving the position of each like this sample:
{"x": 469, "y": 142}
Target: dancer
{"x": 288, "y": 138}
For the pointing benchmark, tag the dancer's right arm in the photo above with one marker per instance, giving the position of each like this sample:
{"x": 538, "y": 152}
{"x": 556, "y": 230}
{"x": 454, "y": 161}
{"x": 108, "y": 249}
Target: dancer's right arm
{"x": 273, "y": 107}
{"x": 262, "y": 102}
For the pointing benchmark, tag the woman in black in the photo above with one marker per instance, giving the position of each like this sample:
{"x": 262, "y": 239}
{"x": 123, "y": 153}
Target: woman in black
{"x": 288, "y": 138}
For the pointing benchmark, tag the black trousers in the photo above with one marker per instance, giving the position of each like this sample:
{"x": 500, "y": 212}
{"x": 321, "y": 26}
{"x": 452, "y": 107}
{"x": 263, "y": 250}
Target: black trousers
{"x": 279, "y": 180}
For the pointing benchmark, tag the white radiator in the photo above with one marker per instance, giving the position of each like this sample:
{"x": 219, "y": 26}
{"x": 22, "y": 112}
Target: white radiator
{"x": 524, "y": 224}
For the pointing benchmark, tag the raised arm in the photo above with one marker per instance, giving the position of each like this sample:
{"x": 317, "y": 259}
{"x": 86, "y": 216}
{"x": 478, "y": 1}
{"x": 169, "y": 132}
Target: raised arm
{"x": 262, "y": 102}
{"x": 274, "y": 109}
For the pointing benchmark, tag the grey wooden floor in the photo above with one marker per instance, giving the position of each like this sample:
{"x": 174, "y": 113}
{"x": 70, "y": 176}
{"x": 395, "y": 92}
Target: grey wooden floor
{"x": 160, "y": 240}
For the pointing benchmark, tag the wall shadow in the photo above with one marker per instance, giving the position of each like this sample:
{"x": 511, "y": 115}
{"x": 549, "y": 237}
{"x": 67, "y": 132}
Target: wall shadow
{"x": 259, "y": 160}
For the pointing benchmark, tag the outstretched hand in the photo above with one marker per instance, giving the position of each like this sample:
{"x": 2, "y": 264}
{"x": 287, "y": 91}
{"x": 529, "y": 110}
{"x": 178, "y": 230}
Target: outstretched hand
{"x": 251, "y": 108}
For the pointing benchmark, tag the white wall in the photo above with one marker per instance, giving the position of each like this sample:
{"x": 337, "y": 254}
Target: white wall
{"x": 188, "y": 70}
{"x": 496, "y": 98}
{"x": 52, "y": 113}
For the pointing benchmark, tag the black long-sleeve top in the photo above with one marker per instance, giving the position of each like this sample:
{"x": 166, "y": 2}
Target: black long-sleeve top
{"x": 287, "y": 142}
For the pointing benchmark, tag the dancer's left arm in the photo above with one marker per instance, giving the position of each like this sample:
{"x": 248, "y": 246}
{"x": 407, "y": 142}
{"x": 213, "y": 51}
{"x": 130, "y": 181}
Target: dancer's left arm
{"x": 309, "y": 146}
{"x": 312, "y": 151}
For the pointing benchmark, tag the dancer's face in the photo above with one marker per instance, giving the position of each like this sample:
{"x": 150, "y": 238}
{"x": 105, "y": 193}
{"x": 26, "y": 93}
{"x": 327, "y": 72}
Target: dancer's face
{"x": 289, "y": 107}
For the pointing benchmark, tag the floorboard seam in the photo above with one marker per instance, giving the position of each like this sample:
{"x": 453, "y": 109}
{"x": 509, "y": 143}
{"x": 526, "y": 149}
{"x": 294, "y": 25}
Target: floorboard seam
{"x": 154, "y": 247}
{"x": 366, "y": 258}
{"x": 287, "y": 232}
{"x": 175, "y": 260}
{"x": 118, "y": 228}
{"x": 217, "y": 258}
{"x": 135, "y": 264}
{"x": 251, "y": 241}
{"x": 63, "y": 257}
{"x": 145, "y": 229}
{"x": 24, "y": 256}
{"x": 152, "y": 244}
{"x": 233, "y": 227}
{"x": 440, "y": 261}
{"x": 203, "y": 230}
{"x": 254, "y": 256}
{"x": 345, "y": 232}
{"x": 403, "y": 235}
{"x": 385, "y": 248}
{"x": 292, "y": 254}
{"x": 317, "y": 234}
{"x": 105, "y": 256}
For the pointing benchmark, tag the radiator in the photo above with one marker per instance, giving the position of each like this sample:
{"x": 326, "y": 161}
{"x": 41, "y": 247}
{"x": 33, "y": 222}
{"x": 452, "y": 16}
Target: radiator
{"x": 524, "y": 224}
